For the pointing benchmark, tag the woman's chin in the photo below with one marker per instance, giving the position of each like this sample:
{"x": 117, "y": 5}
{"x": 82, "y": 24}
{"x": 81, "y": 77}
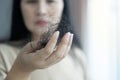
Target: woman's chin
{"x": 40, "y": 31}
{"x": 44, "y": 32}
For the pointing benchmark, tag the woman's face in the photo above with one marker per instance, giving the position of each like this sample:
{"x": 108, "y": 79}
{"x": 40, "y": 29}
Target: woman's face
{"x": 40, "y": 16}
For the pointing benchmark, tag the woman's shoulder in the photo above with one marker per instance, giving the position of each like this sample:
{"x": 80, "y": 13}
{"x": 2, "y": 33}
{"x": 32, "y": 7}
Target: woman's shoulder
{"x": 7, "y": 50}
{"x": 82, "y": 60}
{"x": 80, "y": 57}
{"x": 8, "y": 54}
{"x": 80, "y": 54}
{"x": 11, "y": 45}
{"x": 6, "y": 46}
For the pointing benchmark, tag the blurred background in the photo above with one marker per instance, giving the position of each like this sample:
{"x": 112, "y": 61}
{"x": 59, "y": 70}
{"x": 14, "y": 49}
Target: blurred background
{"x": 98, "y": 26}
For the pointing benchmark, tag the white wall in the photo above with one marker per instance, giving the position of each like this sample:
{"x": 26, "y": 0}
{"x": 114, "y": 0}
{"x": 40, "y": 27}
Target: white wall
{"x": 99, "y": 34}
{"x": 102, "y": 37}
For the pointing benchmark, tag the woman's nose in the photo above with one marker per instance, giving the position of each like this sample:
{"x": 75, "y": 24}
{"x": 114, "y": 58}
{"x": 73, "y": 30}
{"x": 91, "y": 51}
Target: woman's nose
{"x": 42, "y": 9}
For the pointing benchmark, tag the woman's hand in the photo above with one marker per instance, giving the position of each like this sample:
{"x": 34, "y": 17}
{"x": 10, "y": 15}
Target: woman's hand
{"x": 30, "y": 59}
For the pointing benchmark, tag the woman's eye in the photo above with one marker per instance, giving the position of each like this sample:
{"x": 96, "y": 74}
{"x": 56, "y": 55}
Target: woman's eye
{"x": 31, "y": 1}
{"x": 50, "y": 1}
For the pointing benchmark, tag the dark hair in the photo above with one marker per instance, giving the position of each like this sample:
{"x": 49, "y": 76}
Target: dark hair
{"x": 19, "y": 31}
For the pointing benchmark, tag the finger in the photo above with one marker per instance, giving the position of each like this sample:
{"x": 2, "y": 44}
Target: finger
{"x": 63, "y": 44}
{"x": 51, "y": 44}
{"x": 45, "y": 52}
{"x": 35, "y": 45}
{"x": 31, "y": 47}
{"x": 66, "y": 52}
{"x": 58, "y": 54}
{"x": 69, "y": 46}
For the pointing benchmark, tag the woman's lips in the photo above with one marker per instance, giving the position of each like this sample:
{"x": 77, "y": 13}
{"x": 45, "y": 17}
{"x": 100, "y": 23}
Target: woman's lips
{"x": 42, "y": 23}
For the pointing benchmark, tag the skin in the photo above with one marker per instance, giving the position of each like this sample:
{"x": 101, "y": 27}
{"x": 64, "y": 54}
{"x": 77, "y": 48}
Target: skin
{"x": 31, "y": 58}
{"x": 48, "y": 10}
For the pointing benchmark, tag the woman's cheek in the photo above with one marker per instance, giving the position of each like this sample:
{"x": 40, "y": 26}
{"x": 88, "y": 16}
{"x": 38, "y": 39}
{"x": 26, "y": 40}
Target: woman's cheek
{"x": 28, "y": 19}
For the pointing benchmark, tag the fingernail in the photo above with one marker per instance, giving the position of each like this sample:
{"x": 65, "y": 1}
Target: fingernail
{"x": 68, "y": 35}
{"x": 72, "y": 36}
{"x": 57, "y": 32}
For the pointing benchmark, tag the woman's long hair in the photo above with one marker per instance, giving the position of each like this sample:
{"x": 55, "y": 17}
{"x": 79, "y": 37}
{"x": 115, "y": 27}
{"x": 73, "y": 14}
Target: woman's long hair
{"x": 20, "y": 32}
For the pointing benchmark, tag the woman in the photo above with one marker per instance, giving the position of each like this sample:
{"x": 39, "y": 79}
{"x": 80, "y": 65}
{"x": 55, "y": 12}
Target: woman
{"x": 40, "y": 44}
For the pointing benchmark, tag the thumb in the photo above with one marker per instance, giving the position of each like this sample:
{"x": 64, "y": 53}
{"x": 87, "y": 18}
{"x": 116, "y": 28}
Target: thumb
{"x": 31, "y": 47}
